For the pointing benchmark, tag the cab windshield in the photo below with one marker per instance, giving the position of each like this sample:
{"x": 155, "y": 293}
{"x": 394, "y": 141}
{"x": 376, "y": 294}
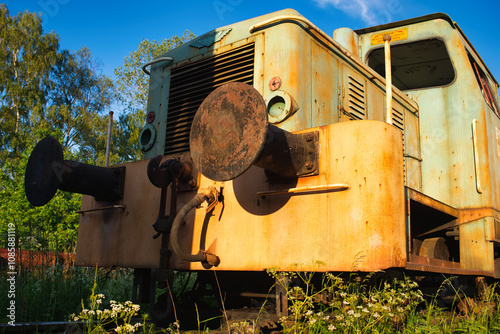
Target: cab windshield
{"x": 415, "y": 65}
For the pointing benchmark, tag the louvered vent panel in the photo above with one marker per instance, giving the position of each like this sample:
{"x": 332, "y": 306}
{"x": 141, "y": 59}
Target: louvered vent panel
{"x": 190, "y": 84}
{"x": 356, "y": 99}
{"x": 398, "y": 121}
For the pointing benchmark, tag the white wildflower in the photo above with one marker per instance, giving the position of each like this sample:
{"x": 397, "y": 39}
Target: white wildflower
{"x": 350, "y": 312}
{"x": 331, "y": 328}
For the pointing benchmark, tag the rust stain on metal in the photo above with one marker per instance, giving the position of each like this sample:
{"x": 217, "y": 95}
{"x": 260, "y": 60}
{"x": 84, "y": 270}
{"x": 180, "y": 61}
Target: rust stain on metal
{"x": 228, "y": 131}
{"x": 422, "y": 263}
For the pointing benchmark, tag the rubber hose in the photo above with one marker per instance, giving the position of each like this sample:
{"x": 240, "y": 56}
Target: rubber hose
{"x": 202, "y": 255}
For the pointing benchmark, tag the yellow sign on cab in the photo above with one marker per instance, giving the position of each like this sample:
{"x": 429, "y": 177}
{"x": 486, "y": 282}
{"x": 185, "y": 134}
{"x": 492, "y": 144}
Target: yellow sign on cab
{"x": 396, "y": 35}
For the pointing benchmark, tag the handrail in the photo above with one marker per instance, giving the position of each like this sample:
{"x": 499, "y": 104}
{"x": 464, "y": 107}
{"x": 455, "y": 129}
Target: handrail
{"x": 154, "y": 61}
{"x": 476, "y": 156}
{"x": 331, "y": 187}
{"x": 123, "y": 207}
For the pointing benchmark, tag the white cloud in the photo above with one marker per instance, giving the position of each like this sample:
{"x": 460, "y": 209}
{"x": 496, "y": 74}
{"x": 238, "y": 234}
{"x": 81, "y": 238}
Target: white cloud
{"x": 370, "y": 11}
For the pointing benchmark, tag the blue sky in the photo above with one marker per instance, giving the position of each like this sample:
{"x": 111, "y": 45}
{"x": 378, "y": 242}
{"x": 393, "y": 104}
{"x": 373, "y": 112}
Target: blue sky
{"x": 112, "y": 29}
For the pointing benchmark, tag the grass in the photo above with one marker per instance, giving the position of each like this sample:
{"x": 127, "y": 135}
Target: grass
{"x": 356, "y": 305}
{"x": 50, "y": 293}
{"x": 347, "y": 305}
{"x": 318, "y": 303}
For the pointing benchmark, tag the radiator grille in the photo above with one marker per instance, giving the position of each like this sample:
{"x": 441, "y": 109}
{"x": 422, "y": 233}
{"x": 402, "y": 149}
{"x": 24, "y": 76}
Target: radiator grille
{"x": 190, "y": 84}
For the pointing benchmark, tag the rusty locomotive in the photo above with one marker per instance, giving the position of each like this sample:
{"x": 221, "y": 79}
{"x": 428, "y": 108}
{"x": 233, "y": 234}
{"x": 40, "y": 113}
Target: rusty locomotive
{"x": 268, "y": 143}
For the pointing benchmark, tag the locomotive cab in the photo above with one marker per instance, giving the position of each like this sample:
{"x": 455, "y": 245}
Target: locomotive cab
{"x": 436, "y": 66}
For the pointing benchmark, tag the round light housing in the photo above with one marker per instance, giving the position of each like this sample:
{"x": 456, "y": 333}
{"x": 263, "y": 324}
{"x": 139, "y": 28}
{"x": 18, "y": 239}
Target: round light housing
{"x": 280, "y": 106}
{"x": 147, "y": 137}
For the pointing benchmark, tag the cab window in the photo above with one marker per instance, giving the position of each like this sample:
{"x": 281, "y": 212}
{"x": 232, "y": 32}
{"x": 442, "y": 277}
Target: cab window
{"x": 415, "y": 65}
{"x": 484, "y": 86}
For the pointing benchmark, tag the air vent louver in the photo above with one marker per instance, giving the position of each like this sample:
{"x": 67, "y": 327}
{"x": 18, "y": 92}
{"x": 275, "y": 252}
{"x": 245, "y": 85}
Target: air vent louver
{"x": 356, "y": 99}
{"x": 397, "y": 119}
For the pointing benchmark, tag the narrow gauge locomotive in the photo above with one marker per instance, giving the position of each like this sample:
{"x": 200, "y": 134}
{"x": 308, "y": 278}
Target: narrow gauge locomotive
{"x": 268, "y": 143}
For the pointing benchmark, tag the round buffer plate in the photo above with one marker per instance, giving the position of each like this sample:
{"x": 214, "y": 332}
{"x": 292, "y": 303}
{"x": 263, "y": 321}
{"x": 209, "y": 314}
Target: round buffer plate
{"x": 228, "y": 131}
{"x": 43, "y": 171}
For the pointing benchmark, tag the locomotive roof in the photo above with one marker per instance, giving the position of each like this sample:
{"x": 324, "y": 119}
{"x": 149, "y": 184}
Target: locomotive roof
{"x": 406, "y": 22}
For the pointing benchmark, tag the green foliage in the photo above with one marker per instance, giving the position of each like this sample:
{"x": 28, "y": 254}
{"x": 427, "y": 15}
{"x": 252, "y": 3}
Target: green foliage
{"x": 50, "y": 293}
{"x": 80, "y": 99}
{"x": 133, "y": 87}
{"x": 27, "y": 55}
{"x": 45, "y": 91}
{"x": 50, "y": 227}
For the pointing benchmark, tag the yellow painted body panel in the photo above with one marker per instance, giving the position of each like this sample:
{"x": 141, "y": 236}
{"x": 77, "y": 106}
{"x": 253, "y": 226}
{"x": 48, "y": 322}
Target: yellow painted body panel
{"x": 362, "y": 228}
